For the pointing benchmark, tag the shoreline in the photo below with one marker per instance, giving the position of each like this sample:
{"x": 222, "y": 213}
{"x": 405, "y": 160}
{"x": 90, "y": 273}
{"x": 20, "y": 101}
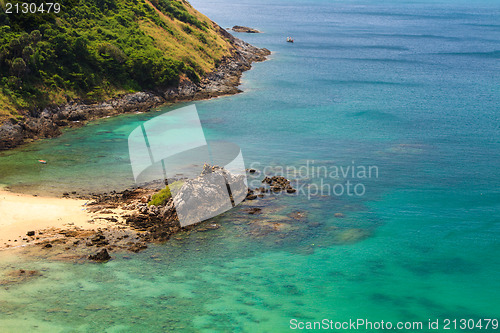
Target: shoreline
{"x": 118, "y": 222}
{"x": 70, "y": 224}
{"x": 22, "y": 213}
{"x": 223, "y": 81}
{"x": 63, "y": 228}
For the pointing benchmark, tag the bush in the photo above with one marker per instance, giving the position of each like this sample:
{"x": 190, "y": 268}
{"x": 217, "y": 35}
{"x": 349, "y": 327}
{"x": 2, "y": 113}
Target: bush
{"x": 161, "y": 197}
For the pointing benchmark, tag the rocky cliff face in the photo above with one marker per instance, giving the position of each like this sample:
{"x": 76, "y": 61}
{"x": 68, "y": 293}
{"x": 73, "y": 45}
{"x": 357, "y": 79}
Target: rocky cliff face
{"x": 223, "y": 81}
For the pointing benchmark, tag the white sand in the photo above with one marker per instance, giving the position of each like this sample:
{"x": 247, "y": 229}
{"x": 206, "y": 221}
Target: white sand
{"x": 20, "y": 213}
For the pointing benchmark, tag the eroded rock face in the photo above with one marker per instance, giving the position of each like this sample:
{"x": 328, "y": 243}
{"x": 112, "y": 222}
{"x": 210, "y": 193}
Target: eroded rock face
{"x": 11, "y": 135}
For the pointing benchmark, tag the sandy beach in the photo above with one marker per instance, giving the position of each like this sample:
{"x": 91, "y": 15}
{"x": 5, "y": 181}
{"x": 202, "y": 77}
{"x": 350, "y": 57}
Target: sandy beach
{"x": 20, "y": 213}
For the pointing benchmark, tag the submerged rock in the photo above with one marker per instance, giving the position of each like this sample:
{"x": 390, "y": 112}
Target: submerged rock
{"x": 350, "y": 236}
{"x": 19, "y": 275}
{"x": 298, "y": 215}
{"x": 251, "y": 197}
{"x": 211, "y": 226}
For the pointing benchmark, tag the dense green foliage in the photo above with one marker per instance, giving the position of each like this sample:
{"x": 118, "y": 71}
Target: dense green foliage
{"x": 92, "y": 49}
{"x": 160, "y": 198}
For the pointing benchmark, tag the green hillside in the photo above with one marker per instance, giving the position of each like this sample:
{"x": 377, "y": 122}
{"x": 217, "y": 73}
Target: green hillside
{"x": 97, "y": 49}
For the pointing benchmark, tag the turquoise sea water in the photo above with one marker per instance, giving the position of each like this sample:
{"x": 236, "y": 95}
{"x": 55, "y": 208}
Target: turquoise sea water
{"x": 409, "y": 87}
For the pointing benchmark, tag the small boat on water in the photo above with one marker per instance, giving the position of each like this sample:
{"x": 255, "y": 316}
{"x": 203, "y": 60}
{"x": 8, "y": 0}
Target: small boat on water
{"x": 42, "y": 161}
{"x": 289, "y": 39}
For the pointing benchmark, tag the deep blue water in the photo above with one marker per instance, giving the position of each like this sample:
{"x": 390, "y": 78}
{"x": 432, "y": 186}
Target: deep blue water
{"x": 410, "y": 87}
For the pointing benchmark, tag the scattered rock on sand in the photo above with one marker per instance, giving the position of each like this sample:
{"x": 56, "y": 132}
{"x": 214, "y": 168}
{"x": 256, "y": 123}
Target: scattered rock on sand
{"x": 99, "y": 240}
{"x": 141, "y": 224}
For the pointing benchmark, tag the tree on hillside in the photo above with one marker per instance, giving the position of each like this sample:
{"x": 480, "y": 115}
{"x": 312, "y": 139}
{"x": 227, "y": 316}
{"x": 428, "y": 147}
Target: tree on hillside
{"x": 18, "y": 67}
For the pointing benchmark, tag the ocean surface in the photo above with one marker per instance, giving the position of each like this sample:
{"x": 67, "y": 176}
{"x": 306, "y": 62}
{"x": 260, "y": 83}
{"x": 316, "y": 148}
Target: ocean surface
{"x": 408, "y": 88}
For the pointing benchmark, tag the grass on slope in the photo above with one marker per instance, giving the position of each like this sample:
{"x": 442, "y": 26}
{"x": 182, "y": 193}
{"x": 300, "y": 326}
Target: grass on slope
{"x": 200, "y": 49}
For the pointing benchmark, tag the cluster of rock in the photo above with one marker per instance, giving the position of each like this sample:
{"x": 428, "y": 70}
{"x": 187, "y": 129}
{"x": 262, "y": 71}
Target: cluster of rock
{"x": 136, "y": 222}
{"x": 275, "y": 184}
{"x": 75, "y": 243}
{"x": 46, "y": 123}
{"x": 156, "y": 223}
{"x": 279, "y": 183}
{"x": 153, "y": 223}
{"x": 140, "y": 223}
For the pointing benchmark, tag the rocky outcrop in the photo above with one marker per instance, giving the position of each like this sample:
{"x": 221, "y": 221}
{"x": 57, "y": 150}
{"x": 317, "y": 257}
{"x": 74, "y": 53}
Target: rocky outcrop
{"x": 11, "y": 134}
{"x": 134, "y": 222}
{"x": 47, "y": 123}
{"x": 278, "y": 184}
{"x": 101, "y": 256}
{"x": 239, "y": 28}
{"x": 157, "y": 224}
{"x": 224, "y": 80}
